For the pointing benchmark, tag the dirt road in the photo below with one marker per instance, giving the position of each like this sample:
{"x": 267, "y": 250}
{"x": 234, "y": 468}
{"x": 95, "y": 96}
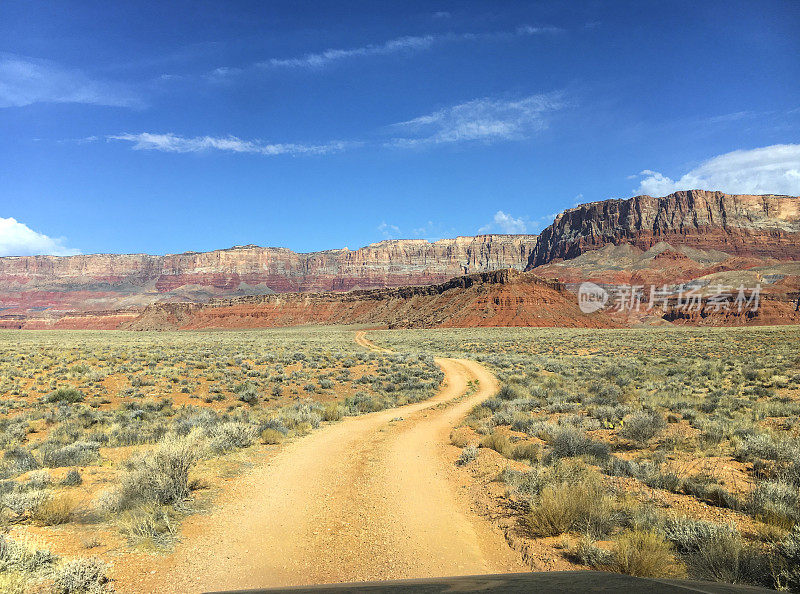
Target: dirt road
{"x": 372, "y": 497}
{"x": 361, "y": 338}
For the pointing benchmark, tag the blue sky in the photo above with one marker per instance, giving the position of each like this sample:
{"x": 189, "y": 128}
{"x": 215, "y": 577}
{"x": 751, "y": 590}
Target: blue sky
{"x": 163, "y": 127}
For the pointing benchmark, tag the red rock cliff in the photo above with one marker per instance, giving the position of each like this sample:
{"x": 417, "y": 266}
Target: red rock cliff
{"x": 105, "y": 281}
{"x": 741, "y": 225}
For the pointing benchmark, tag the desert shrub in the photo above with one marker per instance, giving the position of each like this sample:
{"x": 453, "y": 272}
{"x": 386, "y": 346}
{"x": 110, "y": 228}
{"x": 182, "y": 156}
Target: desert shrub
{"x": 160, "y": 476}
{"x": 586, "y": 552}
{"x": 75, "y": 454}
{"x": 20, "y": 459}
{"x": 332, "y": 412}
{"x": 567, "y": 507}
{"x": 73, "y": 478}
{"x": 689, "y": 535}
{"x": 302, "y": 413}
{"x": 789, "y": 550}
{"x": 498, "y": 442}
{"x": 67, "y": 395}
{"x": 13, "y": 582}
{"x": 708, "y": 491}
{"x": 275, "y": 423}
{"x": 644, "y": 554}
{"x": 526, "y": 451}
{"x": 271, "y": 436}
{"x": 511, "y": 392}
{"x": 55, "y": 510}
{"x": 361, "y": 402}
{"x": 38, "y": 479}
{"x": 642, "y": 426}
{"x": 232, "y": 435}
{"x": 149, "y": 524}
{"x": 468, "y": 454}
{"x": 570, "y": 442}
{"x": 80, "y": 576}
{"x": 23, "y": 556}
{"x": 24, "y": 502}
{"x": 775, "y": 502}
{"x": 725, "y": 557}
{"x": 765, "y": 447}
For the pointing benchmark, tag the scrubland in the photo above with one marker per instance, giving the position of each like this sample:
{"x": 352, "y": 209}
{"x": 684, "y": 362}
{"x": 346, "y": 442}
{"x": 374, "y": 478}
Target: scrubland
{"x": 110, "y": 439}
{"x": 658, "y": 452}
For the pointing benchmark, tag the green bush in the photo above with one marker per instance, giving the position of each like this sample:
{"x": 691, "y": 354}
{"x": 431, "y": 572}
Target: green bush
{"x": 67, "y": 394}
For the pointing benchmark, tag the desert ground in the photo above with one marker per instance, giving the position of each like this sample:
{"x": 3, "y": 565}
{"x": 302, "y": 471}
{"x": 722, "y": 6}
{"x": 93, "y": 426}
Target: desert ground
{"x": 192, "y": 461}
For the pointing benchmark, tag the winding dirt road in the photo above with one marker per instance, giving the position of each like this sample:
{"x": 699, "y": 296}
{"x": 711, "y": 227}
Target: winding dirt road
{"x": 370, "y": 498}
{"x": 361, "y": 338}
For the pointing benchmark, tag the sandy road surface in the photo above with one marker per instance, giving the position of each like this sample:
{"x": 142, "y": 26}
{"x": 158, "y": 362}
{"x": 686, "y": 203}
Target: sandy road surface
{"x": 371, "y": 497}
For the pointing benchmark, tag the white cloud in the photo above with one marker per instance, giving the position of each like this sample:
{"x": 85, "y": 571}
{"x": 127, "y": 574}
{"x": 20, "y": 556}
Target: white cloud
{"x": 172, "y": 143}
{"x": 318, "y": 60}
{"x": 17, "y": 239}
{"x": 505, "y": 223}
{"x": 24, "y": 81}
{"x": 481, "y": 119}
{"x": 768, "y": 170}
{"x": 389, "y": 231}
{"x": 410, "y": 43}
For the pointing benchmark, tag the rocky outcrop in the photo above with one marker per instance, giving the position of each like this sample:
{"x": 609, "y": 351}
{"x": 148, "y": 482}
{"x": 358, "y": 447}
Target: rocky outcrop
{"x": 741, "y": 225}
{"x": 499, "y": 298}
{"x": 105, "y": 281}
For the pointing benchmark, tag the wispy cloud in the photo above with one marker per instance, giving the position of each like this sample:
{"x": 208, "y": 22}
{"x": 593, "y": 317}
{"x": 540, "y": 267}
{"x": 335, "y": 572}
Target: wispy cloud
{"x": 407, "y": 44}
{"x": 17, "y": 239}
{"x": 389, "y": 231}
{"x": 429, "y": 231}
{"x": 768, "y": 170}
{"x": 484, "y": 119}
{"x": 318, "y": 60}
{"x": 25, "y": 81}
{"x": 172, "y": 143}
{"x": 505, "y": 223}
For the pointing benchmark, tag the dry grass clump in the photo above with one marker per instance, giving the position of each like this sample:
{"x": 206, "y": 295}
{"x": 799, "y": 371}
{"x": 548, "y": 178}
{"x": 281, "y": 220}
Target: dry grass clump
{"x": 160, "y": 476}
{"x": 571, "y": 507}
{"x": 271, "y": 437}
{"x": 461, "y": 437}
{"x": 644, "y": 554}
{"x": 55, "y": 510}
{"x": 498, "y": 442}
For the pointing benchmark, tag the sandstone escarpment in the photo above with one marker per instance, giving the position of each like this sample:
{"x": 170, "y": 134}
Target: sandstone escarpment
{"x": 107, "y": 281}
{"x": 500, "y": 298}
{"x": 742, "y": 225}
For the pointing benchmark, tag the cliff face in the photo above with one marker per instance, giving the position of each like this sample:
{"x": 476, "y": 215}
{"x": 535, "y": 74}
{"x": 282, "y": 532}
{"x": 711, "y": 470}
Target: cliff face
{"x": 103, "y": 281}
{"x": 499, "y": 298}
{"x": 741, "y": 225}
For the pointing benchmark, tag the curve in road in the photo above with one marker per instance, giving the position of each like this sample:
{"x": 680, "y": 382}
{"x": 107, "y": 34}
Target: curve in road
{"x": 369, "y": 498}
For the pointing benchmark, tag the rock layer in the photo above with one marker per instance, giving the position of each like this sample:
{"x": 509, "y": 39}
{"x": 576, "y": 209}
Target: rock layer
{"x": 105, "y": 281}
{"x": 500, "y": 298}
{"x": 742, "y": 225}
